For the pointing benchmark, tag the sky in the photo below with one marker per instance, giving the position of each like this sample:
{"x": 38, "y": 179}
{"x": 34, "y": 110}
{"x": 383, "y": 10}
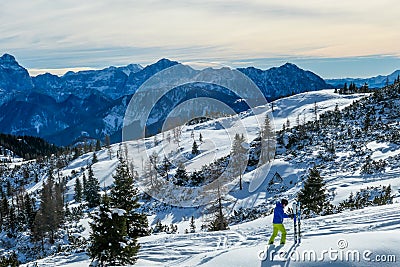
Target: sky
{"x": 340, "y": 38}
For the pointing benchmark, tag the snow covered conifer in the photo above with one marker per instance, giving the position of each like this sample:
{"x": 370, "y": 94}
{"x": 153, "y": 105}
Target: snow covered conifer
{"x": 312, "y": 196}
{"x": 181, "y": 177}
{"x": 192, "y": 225}
{"x": 109, "y": 241}
{"x": 78, "y": 190}
{"x": 84, "y": 186}
{"x": 166, "y": 166}
{"x": 124, "y": 196}
{"x": 50, "y": 213}
{"x": 94, "y": 159}
{"x": 238, "y": 157}
{"x": 195, "y": 148}
{"x": 92, "y": 193}
{"x": 267, "y": 141}
{"x": 98, "y": 145}
{"x": 219, "y": 222}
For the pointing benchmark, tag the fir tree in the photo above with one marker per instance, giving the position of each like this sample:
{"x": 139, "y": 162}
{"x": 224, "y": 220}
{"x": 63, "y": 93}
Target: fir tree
{"x": 107, "y": 141}
{"x": 238, "y": 158}
{"x": 77, "y": 152}
{"x": 124, "y": 196}
{"x": 267, "y": 141}
{"x": 98, "y": 145}
{"x": 10, "y": 261}
{"x": 219, "y": 223}
{"x": 181, "y": 176}
{"x": 92, "y": 194}
{"x": 94, "y": 159}
{"x": 166, "y": 165}
{"x": 50, "y": 213}
{"x": 195, "y": 148}
{"x": 4, "y": 210}
{"x": 29, "y": 210}
{"x": 192, "y": 225}
{"x": 84, "y": 186}
{"x": 109, "y": 240}
{"x": 312, "y": 196}
{"x": 78, "y": 191}
{"x": 387, "y": 195}
{"x": 196, "y": 178}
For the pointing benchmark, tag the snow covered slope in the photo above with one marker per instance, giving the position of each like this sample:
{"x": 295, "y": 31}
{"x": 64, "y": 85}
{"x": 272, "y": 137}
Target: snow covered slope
{"x": 216, "y": 142}
{"x": 348, "y": 236}
{"x": 240, "y": 246}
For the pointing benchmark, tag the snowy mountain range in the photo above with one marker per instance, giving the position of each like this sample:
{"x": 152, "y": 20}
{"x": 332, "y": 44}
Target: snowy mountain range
{"x": 62, "y": 108}
{"x": 373, "y": 82}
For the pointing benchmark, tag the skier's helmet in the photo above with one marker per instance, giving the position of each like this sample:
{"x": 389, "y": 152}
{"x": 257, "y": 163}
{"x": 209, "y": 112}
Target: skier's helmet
{"x": 284, "y": 202}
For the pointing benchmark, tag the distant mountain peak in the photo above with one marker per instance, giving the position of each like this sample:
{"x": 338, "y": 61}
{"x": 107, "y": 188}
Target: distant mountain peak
{"x": 289, "y": 65}
{"x": 13, "y": 77}
{"x": 165, "y": 60}
{"x": 7, "y": 58}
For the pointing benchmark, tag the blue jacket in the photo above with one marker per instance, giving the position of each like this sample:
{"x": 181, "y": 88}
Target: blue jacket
{"x": 279, "y": 214}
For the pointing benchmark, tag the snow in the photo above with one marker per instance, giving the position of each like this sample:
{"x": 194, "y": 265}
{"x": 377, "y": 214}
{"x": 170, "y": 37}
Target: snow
{"x": 241, "y": 245}
{"x": 383, "y": 150}
{"x": 120, "y": 212}
{"x": 244, "y": 241}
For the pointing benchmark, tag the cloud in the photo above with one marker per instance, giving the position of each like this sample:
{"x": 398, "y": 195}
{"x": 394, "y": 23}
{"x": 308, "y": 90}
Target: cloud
{"x": 71, "y": 33}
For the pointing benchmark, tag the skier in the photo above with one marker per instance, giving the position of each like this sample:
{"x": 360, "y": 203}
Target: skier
{"x": 277, "y": 222}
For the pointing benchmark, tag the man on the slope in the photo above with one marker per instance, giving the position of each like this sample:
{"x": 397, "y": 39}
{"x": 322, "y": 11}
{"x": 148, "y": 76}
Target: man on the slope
{"x": 279, "y": 215}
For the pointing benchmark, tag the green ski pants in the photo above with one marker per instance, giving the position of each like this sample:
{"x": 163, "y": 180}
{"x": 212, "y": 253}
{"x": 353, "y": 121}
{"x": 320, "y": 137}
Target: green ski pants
{"x": 278, "y": 227}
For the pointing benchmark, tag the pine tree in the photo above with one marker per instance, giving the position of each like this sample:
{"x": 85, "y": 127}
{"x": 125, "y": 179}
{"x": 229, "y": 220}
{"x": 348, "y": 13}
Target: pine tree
{"x": 4, "y": 210}
{"x": 345, "y": 88}
{"x": 315, "y": 111}
{"x": 107, "y": 141}
{"x": 267, "y": 141}
{"x": 387, "y": 195}
{"x": 29, "y": 210}
{"x": 78, "y": 191}
{"x": 124, "y": 196}
{"x": 367, "y": 121}
{"x": 84, "y": 186}
{"x": 94, "y": 159}
{"x": 181, "y": 177}
{"x": 238, "y": 158}
{"x": 166, "y": 165}
{"x": 77, "y": 152}
{"x": 195, "y": 150}
{"x": 59, "y": 202}
{"x": 92, "y": 194}
{"x": 219, "y": 223}
{"x": 196, "y": 178}
{"x": 109, "y": 241}
{"x": 312, "y": 196}
{"x": 192, "y": 225}
{"x": 50, "y": 213}
{"x": 107, "y": 144}
{"x": 98, "y": 145}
